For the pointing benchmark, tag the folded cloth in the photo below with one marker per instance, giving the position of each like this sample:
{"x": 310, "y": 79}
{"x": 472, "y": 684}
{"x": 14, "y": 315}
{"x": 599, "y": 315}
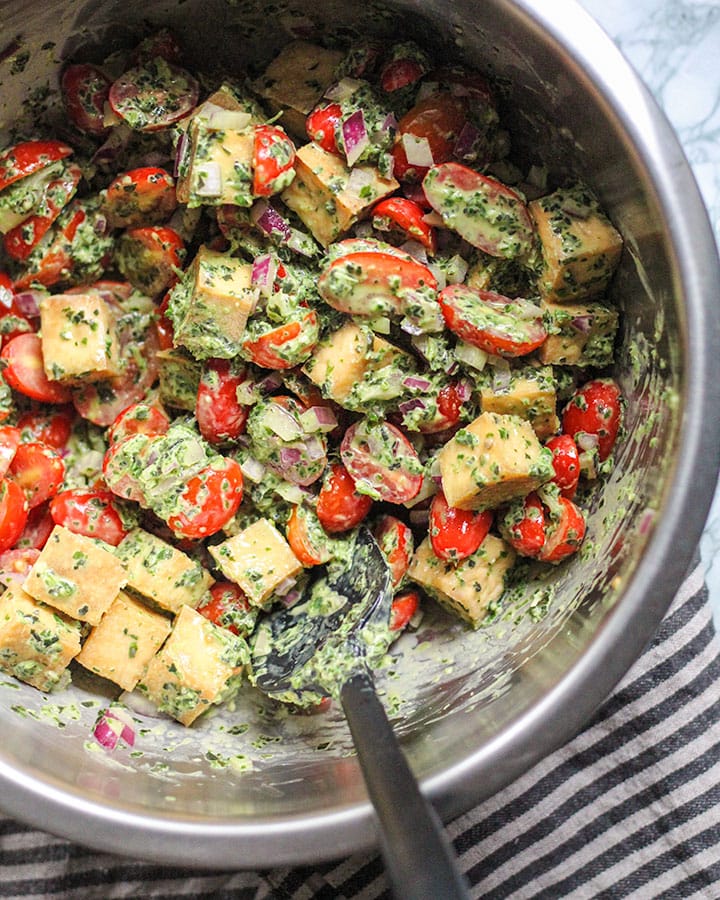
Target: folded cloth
{"x": 627, "y": 809}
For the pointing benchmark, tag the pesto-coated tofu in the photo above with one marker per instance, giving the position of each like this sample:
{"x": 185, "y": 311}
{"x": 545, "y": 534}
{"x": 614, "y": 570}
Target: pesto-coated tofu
{"x": 580, "y": 247}
{"x": 579, "y": 334}
{"x": 468, "y": 587}
{"x": 200, "y": 664}
{"x": 296, "y": 80}
{"x": 492, "y": 460}
{"x": 217, "y": 167}
{"x": 161, "y": 572}
{"x": 124, "y": 642}
{"x": 328, "y": 197}
{"x": 258, "y": 559}
{"x": 79, "y": 337}
{"x": 77, "y": 575}
{"x": 36, "y": 642}
{"x": 530, "y": 394}
{"x": 211, "y": 304}
{"x": 179, "y": 378}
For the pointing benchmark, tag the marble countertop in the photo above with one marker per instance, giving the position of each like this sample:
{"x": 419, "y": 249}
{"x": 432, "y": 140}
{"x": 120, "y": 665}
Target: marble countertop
{"x": 674, "y": 45}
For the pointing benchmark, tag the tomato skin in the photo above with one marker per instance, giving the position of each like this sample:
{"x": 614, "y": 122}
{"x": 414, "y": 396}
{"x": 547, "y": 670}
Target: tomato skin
{"x": 225, "y": 598}
{"x": 396, "y": 542}
{"x": 566, "y": 462}
{"x": 594, "y": 409}
{"x": 408, "y": 217}
{"x": 564, "y": 539}
{"x": 273, "y": 160}
{"x": 439, "y": 118}
{"x": 320, "y": 126}
{"x": 404, "y": 606}
{"x": 38, "y": 470}
{"x": 266, "y": 350}
{"x": 397, "y": 482}
{"x": 139, "y": 418}
{"x": 210, "y": 499}
{"x": 219, "y": 416}
{"x": 85, "y": 90}
{"x": 144, "y": 196}
{"x": 149, "y": 257}
{"x": 38, "y": 527}
{"x": 13, "y": 513}
{"x": 28, "y": 157}
{"x": 153, "y": 95}
{"x": 300, "y": 541}
{"x": 339, "y": 506}
{"x": 48, "y": 427}
{"x": 456, "y": 533}
{"x": 400, "y": 73}
{"x": 16, "y": 564}
{"x": 24, "y": 370}
{"x": 526, "y": 534}
{"x": 91, "y": 513}
{"x": 10, "y": 438}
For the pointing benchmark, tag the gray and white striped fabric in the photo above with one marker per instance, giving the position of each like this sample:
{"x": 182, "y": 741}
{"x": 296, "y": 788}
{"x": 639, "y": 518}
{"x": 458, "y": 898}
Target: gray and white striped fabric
{"x": 629, "y": 809}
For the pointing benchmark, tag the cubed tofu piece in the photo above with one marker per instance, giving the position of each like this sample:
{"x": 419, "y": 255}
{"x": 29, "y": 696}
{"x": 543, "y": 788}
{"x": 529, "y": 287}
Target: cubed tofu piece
{"x": 199, "y": 665}
{"x": 343, "y": 357}
{"x": 179, "y": 379}
{"x": 124, "y": 642}
{"x": 579, "y": 334}
{"x": 296, "y": 80}
{"x": 216, "y": 167}
{"x": 161, "y": 572}
{"x": 468, "y": 587}
{"x": 77, "y": 575}
{"x": 530, "y": 394}
{"x": 36, "y": 642}
{"x": 492, "y": 460}
{"x": 328, "y": 197}
{"x": 258, "y": 559}
{"x": 580, "y": 247}
{"x": 79, "y": 337}
{"x": 210, "y": 306}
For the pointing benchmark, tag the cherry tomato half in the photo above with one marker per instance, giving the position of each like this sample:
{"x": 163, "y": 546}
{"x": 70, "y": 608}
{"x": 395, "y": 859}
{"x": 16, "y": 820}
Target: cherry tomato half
{"x": 25, "y": 372}
{"x": 210, "y": 499}
{"x": 273, "y": 160}
{"x": 139, "y": 418}
{"x": 51, "y": 427}
{"x": 594, "y": 409}
{"x": 339, "y": 506}
{"x": 228, "y": 607}
{"x": 13, "y": 513}
{"x": 38, "y": 527}
{"x": 284, "y": 346}
{"x": 456, "y": 533}
{"x": 408, "y": 217}
{"x": 381, "y": 461}
{"x": 321, "y": 124}
{"x": 219, "y": 416}
{"x": 566, "y": 463}
{"x": 144, "y": 196}
{"x": 299, "y": 534}
{"x": 438, "y": 119}
{"x": 566, "y": 535}
{"x": 395, "y": 540}
{"x": 38, "y": 470}
{"x": 153, "y": 95}
{"x": 9, "y": 442}
{"x": 404, "y": 606}
{"x": 92, "y": 513}
{"x": 85, "y": 91}
{"x": 28, "y": 157}
{"x": 523, "y": 525}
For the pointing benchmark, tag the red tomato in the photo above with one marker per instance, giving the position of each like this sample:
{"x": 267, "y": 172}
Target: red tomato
{"x": 320, "y": 126}
{"x": 450, "y": 400}
{"x": 566, "y": 536}
{"x": 396, "y": 542}
{"x": 594, "y": 409}
{"x": 226, "y": 603}
{"x": 566, "y": 462}
{"x": 28, "y": 157}
{"x": 496, "y": 324}
{"x": 92, "y": 513}
{"x": 273, "y": 159}
{"x": 153, "y": 95}
{"x": 13, "y": 513}
{"x": 38, "y": 470}
{"x": 285, "y": 346}
{"x": 56, "y": 262}
{"x": 523, "y": 525}
{"x": 210, "y": 499}
{"x": 149, "y": 257}
{"x": 404, "y": 606}
{"x": 164, "y": 326}
{"x": 115, "y": 469}
{"x": 51, "y": 427}
{"x": 24, "y": 370}
{"x": 406, "y": 215}
{"x": 9, "y": 442}
{"x": 219, "y": 416}
{"x": 439, "y": 119}
{"x": 140, "y": 418}
{"x": 456, "y": 533}
{"x": 299, "y": 537}
{"x": 339, "y": 506}
{"x": 399, "y": 73}
{"x": 381, "y": 461}
{"x": 38, "y": 527}
{"x": 15, "y": 565}
{"x": 144, "y": 196}
{"x": 85, "y": 91}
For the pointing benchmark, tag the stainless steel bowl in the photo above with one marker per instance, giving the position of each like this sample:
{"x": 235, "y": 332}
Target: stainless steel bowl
{"x": 474, "y": 711}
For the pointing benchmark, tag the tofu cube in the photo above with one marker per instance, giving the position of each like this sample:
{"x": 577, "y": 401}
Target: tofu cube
{"x": 162, "y": 573}
{"x": 258, "y": 559}
{"x": 76, "y": 575}
{"x": 36, "y": 642}
{"x": 580, "y": 247}
{"x": 216, "y": 167}
{"x": 468, "y": 587}
{"x": 199, "y": 665}
{"x": 79, "y": 338}
{"x": 179, "y": 379}
{"x": 579, "y": 334}
{"x": 530, "y": 394}
{"x": 210, "y": 306}
{"x": 124, "y": 642}
{"x": 296, "y": 80}
{"x": 328, "y": 197}
{"x": 492, "y": 460}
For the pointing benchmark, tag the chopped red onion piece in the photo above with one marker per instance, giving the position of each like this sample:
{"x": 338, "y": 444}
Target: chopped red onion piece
{"x": 583, "y": 324}
{"x": 315, "y": 448}
{"x": 269, "y": 383}
{"x": 264, "y": 270}
{"x": 289, "y": 456}
{"x": 269, "y": 220}
{"x": 360, "y": 178}
{"x": 410, "y": 327}
{"x": 355, "y": 137}
{"x": 416, "y": 250}
{"x": 646, "y": 520}
{"x": 209, "y": 180}
{"x": 456, "y": 270}
{"x": 343, "y": 89}
{"x": 586, "y": 441}
{"x": 180, "y": 153}
{"x": 465, "y": 144}
{"x": 27, "y": 303}
{"x": 417, "y": 150}
{"x": 501, "y": 377}
{"x": 113, "y": 726}
{"x": 434, "y": 219}
{"x": 286, "y": 585}
{"x": 290, "y": 599}
{"x": 409, "y": 405}
{"x": 416, "y": 384}
{"x": 318, "y": 418}
{"x": 389, "y": 123}
{"x": 439, "y": 274}
{"x": 301, "y": 243}
{"x": 252, "y": 469}
{"x": 283, "y": 423}
{"x": 100, "y": 225}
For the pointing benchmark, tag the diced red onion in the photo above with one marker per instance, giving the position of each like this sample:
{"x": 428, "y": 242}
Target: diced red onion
{"x": 439, "y": 274}
{"x": 390, "y": 123}
{"x": 355, "y": 137}
{"x": 269, "y": 220}
{"x": 220, "y": 118}
{"x": 416, "y": 250}
{"x": 583, "y": 324}
{"x": 301, "y": 243}
{"x": 360, "y": 178}
{"x": 111, "y": 727}
{"x": 646, "y": 520}
{"x": 433, "y": 219}
{"x": 289, "y": 456}
{"x": 209, "y": 180}
{"x": 269, "y": 383}
{"x": 286, "y": 585}
{"x": 456, "y": 270}
{"x": 501, "y": 377}
{"x": 28, "y": 302}
{"x": 252, "y": 469}
{"x": 283, "y": 423}
{"x": 264, "y": 270}
{"x": 318, "y": 418}
{"x": 415, "y": 383}
{"x": 342, "y": 89}
{"x": 586, "y": 441}
{"x": 100, "y": 225}
{"x": 290, "y": 599}
{"x": 314, "y": 448}
{"x": 180, "y": 153}
{"x": 410, "y": 327}
{"x": 465, "y": 144}
{"x": 408, "y": 406}
{"x": 417, "y": 150}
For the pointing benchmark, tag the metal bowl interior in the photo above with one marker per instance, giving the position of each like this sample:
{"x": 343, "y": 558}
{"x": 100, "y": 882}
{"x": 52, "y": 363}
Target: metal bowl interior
{"x": 251, "y": 787}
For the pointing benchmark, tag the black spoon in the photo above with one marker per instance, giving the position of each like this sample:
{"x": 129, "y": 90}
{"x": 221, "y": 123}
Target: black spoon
{"x": 328, "y": 643}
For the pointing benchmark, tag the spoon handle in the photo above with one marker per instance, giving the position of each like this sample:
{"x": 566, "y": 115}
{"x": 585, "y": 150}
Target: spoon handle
{"x": 418, "y": 858}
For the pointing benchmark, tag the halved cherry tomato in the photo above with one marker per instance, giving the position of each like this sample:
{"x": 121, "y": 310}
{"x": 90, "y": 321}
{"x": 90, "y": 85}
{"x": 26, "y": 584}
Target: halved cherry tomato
{"x": 450, "y": 400}
{"x": 339, "y": 506}
{"x": 321, "y": 124}
{"x": 38, "y": 470}
{"x": 9, "y": 442}
{"x": 51, "y": 427}
{"x": 523, "y": 525}
{"x": 438, "y": 119}
{"x": 24, "y": 370}
{"x": 381, "y": 461}
{"x": 566, "y": 535}
{"x": 164, "y": 326}
{"x": 92, "y": 513}
{"x": 404, "y": 606}
{"x": 144, "y": 196}
{"x": 407, "y": 216}
{"x": 273, "y": 160}
{"x": 210, "y": 499}
{"x": 399, "y": 73}
{"x": 13, "y": 513}
{"x": 150, "y": 257}
{"x": 153, "y": 95}
{"x": 115, "y": 466}
{"x": 14, "y": 319}
{"x": 219, "y": 416}
{"x": 395, "y": 540}
{"x": 28, "y": 157}
{"x": 494, "y": 323}
{"x": 299, "y": 536}
{"x": 139, "y": 418}
{"x": 15, "y": 564}
{"x": 284, "y": 346}
{"x": 566, "y": 463}
{"x": 594, "y": 409}
{"x": 226, "y": 606}
{"x": 456, "y": 533}
{"x": 38, "y": 527}
{"x": 85, "y": 91}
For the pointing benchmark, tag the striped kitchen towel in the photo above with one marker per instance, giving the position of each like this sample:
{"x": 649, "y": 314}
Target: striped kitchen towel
{"x": 628, "y": 809}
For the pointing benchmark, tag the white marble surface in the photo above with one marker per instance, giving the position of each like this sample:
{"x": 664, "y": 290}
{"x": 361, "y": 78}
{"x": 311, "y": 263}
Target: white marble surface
{"x": 675, "y": 47}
